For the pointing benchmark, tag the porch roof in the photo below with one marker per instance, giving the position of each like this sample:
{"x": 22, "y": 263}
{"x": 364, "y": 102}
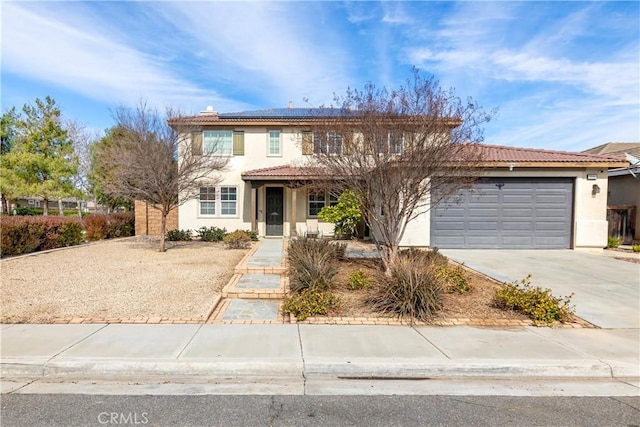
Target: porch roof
{"x": 282, "y": 173}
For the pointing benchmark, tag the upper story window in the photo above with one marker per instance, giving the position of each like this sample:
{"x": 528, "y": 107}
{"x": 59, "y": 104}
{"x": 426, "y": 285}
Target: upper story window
{"x": 327, "y": 143}
{"x": 275, "y": 143}
{"x": 218, "y": 142}
{"x": 389, "y": 143}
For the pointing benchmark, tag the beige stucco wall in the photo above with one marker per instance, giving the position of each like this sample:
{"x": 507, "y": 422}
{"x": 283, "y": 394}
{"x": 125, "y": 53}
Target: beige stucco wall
{"x": 589, "y": 210}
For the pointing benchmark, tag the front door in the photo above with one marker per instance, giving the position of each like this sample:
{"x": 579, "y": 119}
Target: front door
{"x": 275, "y": 209}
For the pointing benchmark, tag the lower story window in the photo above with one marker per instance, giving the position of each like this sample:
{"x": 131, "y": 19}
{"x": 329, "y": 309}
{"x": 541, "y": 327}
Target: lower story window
{"x": 226, "y": 197}
{"x": 320, "y": 199}
{"x": 207, "y": 200}
{"x": 229, "y": 200}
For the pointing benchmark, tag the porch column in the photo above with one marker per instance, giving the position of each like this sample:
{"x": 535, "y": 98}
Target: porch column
{"x": 293, "y": 232}
{"x": 254, "y": 220}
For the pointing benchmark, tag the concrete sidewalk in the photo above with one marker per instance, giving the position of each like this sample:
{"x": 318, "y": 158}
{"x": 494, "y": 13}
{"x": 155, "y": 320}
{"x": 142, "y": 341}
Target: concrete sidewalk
{"x": 212, "y": 352}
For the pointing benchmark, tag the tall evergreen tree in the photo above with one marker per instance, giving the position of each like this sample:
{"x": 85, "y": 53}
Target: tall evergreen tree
{"x": 41, "y": 160}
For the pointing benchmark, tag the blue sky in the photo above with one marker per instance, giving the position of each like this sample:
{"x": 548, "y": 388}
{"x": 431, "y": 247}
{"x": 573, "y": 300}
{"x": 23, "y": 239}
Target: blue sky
{"x": 564, "y": 75}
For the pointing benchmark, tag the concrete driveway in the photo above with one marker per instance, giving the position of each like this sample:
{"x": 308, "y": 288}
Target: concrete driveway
{"x": 606, "y": 290}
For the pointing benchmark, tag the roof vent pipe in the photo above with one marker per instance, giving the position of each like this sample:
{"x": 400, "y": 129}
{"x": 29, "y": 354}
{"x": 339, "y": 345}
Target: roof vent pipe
{"x": 290, "y": 105}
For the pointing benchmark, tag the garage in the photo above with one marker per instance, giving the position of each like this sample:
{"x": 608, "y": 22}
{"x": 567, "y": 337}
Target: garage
{"x": 510, "y": 213}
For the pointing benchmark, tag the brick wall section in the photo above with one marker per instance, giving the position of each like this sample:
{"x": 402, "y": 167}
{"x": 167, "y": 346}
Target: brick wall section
{"x": 148, "y": 219}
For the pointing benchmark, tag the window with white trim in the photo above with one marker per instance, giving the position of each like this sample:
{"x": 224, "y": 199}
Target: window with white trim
{"x": 226, "y": 197}
{"x": 218, "y": 142}
{"x": 318, "y": 200}
{"x": 275, "y": 143}
{"x": 207, "y": 200}
{"x": 228, "y": 200}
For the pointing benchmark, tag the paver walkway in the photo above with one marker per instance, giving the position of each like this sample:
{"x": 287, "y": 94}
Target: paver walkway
{"x": 258, "y": 291}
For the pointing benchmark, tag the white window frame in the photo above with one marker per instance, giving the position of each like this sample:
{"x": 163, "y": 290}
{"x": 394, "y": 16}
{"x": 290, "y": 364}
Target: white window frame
{"x": 208, "y": 202}
{"x": 328, "y": 199}
{"x": 228, "y": 202}
{"x": 225, "y": 199}
{"x": 271, "y": 140}
{"x": 217, "y": 142}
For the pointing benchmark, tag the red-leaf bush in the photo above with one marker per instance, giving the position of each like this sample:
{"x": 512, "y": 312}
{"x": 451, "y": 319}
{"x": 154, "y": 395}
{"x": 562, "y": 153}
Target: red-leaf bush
{"x": 21, "y": 235}
{"x": 109, "y": 226}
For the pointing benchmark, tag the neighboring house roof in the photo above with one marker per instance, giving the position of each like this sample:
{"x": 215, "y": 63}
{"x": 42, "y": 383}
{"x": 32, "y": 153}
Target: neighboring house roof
{"x": 493, "y": 156}
{"x": 616, "y": 149}
{"x": 620, "y": 149}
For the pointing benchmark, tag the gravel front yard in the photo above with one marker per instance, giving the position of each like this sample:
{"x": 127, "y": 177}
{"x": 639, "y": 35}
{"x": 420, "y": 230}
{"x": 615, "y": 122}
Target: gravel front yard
{"x": 109, "y": 279}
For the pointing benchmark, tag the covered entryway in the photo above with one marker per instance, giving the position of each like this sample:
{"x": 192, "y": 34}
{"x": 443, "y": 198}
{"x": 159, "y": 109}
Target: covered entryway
{"x": 511, "y": 213}
{"x": 275, "y": 211}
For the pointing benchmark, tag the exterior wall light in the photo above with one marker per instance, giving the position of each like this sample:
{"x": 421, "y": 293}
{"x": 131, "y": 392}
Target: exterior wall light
{"x": 595, "y": 189}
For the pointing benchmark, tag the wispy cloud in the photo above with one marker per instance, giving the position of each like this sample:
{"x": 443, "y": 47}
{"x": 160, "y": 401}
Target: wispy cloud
{"x": 557, "y": 84}
{"x": 52, "y": 44}
{"x": 268, "y": 49}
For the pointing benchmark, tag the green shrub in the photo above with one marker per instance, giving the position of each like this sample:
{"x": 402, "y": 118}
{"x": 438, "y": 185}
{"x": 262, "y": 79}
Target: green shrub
{"x": 26, "y": 211}
{"x": 237, "y": 240}
{"x": 179, "y": 235}
{"x": 613, "y": 242}
{"x": 635, "y": 248}
{"x": 537, "y": 303}
{"x": 253, "y": 235}
{"x": 211, "y": 234}
{"x": 359, "y": 280}
{"x": 456, "y": 278}
{"x": 345, "y": 215}
{"x": 310, "y": 303}
{"x": 412, "y": 288}
{"x": 312, "y": 264}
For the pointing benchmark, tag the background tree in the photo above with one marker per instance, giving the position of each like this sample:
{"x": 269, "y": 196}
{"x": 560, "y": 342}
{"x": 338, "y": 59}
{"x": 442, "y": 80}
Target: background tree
{"x": 400, "y": 152}
{"x": 142, "y": 160}
{"x": 41, "y": 160}
{"x": 8, "y": 129}
{"x": 99, "y": 172}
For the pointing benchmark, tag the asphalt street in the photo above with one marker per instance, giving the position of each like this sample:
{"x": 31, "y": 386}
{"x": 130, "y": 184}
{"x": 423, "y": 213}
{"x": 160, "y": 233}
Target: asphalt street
{"x": 243, "y": 411}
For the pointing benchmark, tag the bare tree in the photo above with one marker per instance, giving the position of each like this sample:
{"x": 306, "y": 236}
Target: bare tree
{"x": 82, "y": 141}
{"x": 144, "y": 163}
{"x": 401, "y": 152}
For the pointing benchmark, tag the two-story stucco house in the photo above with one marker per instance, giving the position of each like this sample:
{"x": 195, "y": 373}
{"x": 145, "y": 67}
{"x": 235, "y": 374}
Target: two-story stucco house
{"x": 528, "y": 198}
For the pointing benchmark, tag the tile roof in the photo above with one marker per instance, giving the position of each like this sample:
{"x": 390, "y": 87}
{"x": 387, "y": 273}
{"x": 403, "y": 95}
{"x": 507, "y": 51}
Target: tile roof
{"x": 500, "y": 153}
{"x": 493, "y": 155}
{"x": 285, "y": 171}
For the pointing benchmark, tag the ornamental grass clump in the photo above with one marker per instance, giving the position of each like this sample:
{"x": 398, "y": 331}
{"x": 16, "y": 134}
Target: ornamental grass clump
{"x": 312, "y": 264}
{"x": 412, "y": 287}
{"x": 537, "y": 303}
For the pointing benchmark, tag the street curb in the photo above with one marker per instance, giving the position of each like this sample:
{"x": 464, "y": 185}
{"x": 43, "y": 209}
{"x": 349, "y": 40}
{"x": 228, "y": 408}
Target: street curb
{"x": 363, "y": 368}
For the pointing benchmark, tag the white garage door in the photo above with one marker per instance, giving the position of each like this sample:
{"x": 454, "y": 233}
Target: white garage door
{"x": 518, "y": 213}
